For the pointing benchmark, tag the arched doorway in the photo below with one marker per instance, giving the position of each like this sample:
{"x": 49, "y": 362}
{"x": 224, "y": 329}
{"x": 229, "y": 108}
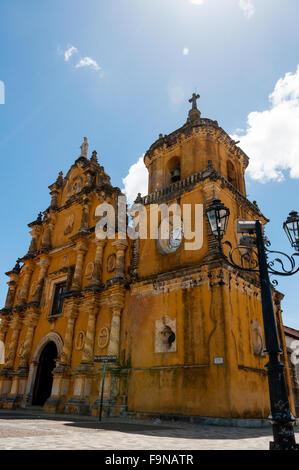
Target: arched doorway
{"x": 44, "y": 377}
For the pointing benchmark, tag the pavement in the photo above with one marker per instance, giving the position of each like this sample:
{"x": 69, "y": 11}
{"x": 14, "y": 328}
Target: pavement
{"x": 35, "y": 430}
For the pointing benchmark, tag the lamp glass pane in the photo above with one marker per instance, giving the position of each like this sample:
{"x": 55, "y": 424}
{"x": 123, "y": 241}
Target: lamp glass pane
{"x": 213, "y": 222}
{"x": 223, "y": 220}
{"x": 293, "y": 231}
{"x": 291, "y": 227}
{"x": 218, "y": 218}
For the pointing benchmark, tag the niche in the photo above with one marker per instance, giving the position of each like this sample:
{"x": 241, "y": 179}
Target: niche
{"x": 173, "y": 171}
{"x": 231, "y": 174}
{"x": 165, "y": 335}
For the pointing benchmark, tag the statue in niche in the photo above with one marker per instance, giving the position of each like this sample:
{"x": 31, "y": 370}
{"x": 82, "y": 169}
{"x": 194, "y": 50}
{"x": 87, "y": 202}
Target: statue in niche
{"x": 165, "y": 335}
{"x": 69, "y": 224}
{"x": 76, "y": 185}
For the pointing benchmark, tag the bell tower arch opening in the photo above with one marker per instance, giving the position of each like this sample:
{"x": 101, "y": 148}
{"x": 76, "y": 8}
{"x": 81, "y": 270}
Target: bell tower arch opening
{"x": 44, "y": 377}
{"x": 173, "y": 171}
{"x": 232, "y": 174}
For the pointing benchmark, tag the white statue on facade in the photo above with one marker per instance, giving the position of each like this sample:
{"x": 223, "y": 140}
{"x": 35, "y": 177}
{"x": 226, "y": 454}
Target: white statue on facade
{"x": 84, "y": 148}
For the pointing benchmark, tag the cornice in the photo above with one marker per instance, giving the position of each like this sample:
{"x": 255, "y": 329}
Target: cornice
{"x": 201, "y": 126}
{"x": 174, "y": 190}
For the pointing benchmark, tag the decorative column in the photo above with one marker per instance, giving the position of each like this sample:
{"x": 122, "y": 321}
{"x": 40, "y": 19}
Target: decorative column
{"x": 79, "y": 402}
{"x": 87, "y": 355}
{"x": 81, "y": 249}
{"x": 16, "y": 326}
{"x": 54, "y": 196}
{"x": 4, "y": 379}
{"x": 62, "y": 371}
{"x": 121, "y": 246}
{"x": 68, "y": 339}
{"x": 28, "y": 270}
{"x": 55, "y": 189}
{"x": 21, "y": 376}
{"x": 44, "y": 264}
{"x": 112, "y": 380}
{"x": 35, "y": 233}
{"x": 46, "y": 240}
{"x": 71, "y": 315}
{"x": 4, "y": 324}
{"x": 30, "y": 322}
{"x": 12, "y": 287}
{"x": 116, "y": 305}
{"x": 85, "y": 216}
{"x": 98, "y": 262}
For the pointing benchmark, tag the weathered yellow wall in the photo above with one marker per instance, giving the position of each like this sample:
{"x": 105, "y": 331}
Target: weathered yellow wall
{"x": 214, "y": 306}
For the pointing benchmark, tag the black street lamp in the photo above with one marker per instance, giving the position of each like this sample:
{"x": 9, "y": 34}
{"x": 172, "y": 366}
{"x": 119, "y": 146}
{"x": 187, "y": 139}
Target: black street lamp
{"x": 291, "y": 227}
{"x": 281, "y": 417}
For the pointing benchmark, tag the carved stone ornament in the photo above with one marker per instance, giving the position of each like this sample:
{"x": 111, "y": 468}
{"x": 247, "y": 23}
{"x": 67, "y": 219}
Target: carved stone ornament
{"x": 74, "y": 186}
{"x": 80, "y": 340}
{"x": 257, "y": 339}
{"x": 89, "y": 270}
{"x": 165, "y": 335}
{"x": 103, "y": 338}
{"x": 111, "y": 263}
{"x": 69, "y": 224}
{"x": 174, "y": 240}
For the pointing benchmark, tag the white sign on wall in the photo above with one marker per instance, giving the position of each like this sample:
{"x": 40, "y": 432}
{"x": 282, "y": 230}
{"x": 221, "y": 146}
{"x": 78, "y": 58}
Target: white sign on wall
{"x": 218, "y": 360}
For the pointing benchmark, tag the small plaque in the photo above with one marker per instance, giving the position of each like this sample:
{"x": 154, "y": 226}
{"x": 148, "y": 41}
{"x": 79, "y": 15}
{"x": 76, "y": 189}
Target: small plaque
{"x": 105, "y": 359}
{"x": 218, "y": 360}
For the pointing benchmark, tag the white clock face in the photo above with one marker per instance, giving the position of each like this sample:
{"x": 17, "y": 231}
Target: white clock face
{"x": 173, "y": 242}
{"x": 175, "y": 238}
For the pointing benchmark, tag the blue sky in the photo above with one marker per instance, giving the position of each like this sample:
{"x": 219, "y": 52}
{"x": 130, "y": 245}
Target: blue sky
{"x": 142, "y": 59}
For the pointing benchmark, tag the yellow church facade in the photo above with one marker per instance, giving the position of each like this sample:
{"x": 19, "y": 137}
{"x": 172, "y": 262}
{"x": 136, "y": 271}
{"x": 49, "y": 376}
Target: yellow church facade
{"x": 184, "y": 328}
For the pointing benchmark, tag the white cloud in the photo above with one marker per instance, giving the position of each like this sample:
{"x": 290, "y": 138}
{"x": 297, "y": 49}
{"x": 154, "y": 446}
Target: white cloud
{"x": 69, "y": 52}
{"x": 176, "y": 94}
{"x": 136, "y": 181}
{"x": 185, "y": 51}
{"x": 271, "y": 139}
{"x": 88, "y": 62}
{"x": 197, "y": 2}
{"x": 83, "y": 62}
{"x": 248, "y": 7}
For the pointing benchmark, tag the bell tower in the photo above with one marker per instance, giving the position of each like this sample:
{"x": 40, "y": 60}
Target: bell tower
{"x": 190, "y": 149}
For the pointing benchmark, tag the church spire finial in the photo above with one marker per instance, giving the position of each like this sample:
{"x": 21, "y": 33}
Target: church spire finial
{"x": 193, "y": 100}
{"x": 194, "y": 112}
{"x": 94, "y": 158}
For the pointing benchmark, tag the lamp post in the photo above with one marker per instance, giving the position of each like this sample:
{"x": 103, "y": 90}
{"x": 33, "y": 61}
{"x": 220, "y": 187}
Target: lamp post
{"x": 257, "y": 250}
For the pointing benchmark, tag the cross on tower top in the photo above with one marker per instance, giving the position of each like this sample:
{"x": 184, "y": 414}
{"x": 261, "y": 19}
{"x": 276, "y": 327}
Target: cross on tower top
{"x": 193, "y": 100}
